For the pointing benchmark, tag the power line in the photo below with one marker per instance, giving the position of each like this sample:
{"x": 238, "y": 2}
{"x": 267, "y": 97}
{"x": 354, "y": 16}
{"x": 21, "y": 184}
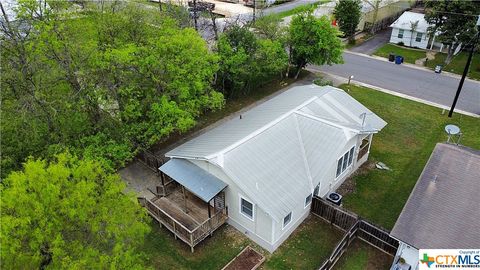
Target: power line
{"x": 456, "y": 13}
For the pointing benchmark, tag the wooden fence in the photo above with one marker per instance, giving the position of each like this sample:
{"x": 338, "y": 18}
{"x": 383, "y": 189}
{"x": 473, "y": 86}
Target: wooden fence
{"x": 355, "y": 227}
{"x": 336, "y": 216}
{"x": 150, "y": 160}
{"x": 341, "y": 247}
{"x": 377, "y": 237}
{"x": 382, "y": 24}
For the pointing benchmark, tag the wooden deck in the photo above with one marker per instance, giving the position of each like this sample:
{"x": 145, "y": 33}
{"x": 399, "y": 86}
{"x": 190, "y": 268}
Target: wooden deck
{"x": 196, "y": 210}
{"x": 187, "y": 219}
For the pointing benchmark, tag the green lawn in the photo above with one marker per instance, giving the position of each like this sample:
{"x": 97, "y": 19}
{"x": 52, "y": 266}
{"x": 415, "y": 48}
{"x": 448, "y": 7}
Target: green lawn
{"x": 306, "y": 248}
{"x": 409, "y": 55}
{"x": 458, "y": 64}
{"x": 405, "y": 145}
{"x": 164, "y": 252}
{"x": 362, "y": 256}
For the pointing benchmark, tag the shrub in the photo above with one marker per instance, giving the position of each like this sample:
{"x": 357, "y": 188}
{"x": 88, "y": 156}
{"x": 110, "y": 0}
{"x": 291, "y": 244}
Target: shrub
{"x": 322, "y": 82}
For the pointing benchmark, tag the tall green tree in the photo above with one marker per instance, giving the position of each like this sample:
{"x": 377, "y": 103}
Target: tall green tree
{"x": 453, "y": 21}
{"x": 247, "y": 60}
{"x": 313, "y": 41}
{"x": 69, "y": 214}
{"x": 347, "y": 13}
{"x": 115, "y": 72}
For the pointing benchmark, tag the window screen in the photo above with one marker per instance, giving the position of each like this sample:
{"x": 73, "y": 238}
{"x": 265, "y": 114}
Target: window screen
{"x": 419, "y": 37}
{"x": 246, "y": 208}
{"x": 287, "y": 219}
{"x": 308, "y": 200}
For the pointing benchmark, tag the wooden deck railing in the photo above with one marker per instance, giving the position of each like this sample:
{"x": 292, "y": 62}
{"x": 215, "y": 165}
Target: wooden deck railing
{"x": 191, "y": 237}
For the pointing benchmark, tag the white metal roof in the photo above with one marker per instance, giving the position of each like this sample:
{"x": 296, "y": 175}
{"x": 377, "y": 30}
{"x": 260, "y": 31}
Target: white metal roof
{"x": 198, "y": 181}
{"x": 283, "y": 147}
{"x": 407, "y": 18}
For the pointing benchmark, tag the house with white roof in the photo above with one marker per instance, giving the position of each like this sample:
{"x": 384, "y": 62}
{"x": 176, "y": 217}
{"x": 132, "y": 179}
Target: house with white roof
{"x": 260, "y": 170}
{"x": 411, "y": 29}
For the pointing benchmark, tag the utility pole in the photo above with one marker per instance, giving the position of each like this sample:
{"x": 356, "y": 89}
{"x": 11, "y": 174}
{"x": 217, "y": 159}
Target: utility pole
{"x": 465, "y": 71}
{"x": 254, "y": 7}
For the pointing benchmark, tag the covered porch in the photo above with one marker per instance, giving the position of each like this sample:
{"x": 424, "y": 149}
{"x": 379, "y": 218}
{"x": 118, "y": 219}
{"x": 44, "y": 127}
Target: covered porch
{"x": 190, "y": 202}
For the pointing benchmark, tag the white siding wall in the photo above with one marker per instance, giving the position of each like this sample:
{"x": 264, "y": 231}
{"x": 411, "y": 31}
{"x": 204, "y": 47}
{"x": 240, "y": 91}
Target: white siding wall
{"x": 259, "y": 230}
{"x": 299, "y": 213}
{"x": 407, "y": 41}
{"x": 331, "y": 183}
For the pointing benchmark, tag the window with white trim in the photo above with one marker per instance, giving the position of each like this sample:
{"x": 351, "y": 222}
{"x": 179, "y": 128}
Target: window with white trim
{"x": 287, "y": 219}
{"x": 418, "y": 38}
{"x": 308, "y": 200}
{"x": 345, "y": 161}
{"x": 350, "y": 157}
{"x": 400, "y": 33}
{"x": 246, "y": 208}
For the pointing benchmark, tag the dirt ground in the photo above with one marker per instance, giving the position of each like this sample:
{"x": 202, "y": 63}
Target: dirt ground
{"x": 247, "y": 260}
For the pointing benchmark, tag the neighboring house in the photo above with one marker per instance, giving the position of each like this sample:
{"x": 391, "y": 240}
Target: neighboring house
{"x": 411, "y": 29}
{"x": 443, "y": 210}
{"x": 268, "y": 162}
{"x": 387, "y": 8}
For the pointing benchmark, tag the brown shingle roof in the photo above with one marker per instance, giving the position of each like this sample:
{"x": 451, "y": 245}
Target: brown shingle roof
{"x": 444, "y": 213}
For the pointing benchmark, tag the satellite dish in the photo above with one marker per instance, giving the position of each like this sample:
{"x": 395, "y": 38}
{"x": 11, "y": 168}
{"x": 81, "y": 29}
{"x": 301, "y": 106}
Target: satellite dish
{"x": 454, "y": 134}
{"x": 452, "y": 129}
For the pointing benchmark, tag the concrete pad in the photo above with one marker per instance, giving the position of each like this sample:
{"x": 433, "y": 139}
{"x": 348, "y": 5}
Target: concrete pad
{"x": 229, "y": 9}
{"x": 223, "y": 8}
{"x": 139, "y": 178}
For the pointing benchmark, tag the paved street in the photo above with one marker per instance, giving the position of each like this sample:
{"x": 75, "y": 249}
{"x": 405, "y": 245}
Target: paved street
{"x": 423, "y": 84}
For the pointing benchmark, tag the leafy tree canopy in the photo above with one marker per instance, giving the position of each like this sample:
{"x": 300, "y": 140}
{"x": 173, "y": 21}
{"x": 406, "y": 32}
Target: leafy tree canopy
{"x": 111, "y": 71}
{"x": 314, "y": 41}
{"x": 347, "y": 13}
{"x": 247, "y": 60}
{"x": 69, "y": 214}
{"x": 453, "y": 21}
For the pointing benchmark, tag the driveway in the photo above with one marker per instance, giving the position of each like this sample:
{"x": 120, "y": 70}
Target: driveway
{"x": 414, "y": 82}
{"x": 371, "y": 45}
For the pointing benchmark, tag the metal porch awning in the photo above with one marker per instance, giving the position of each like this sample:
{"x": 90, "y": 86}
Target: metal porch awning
{"x": 195, "y": 179}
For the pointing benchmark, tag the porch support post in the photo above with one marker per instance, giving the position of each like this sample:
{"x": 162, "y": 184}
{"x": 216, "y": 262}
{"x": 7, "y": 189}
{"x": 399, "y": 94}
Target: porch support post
{"x": 208, "y": 206}
{"x": 185, "y": 199}
{"x": 370, "y": 142}
{"x": 162, "y": 176}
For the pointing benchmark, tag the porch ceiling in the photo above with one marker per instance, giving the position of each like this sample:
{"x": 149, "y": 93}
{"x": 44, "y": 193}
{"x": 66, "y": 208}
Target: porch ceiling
{"x": 195, "y": 179}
